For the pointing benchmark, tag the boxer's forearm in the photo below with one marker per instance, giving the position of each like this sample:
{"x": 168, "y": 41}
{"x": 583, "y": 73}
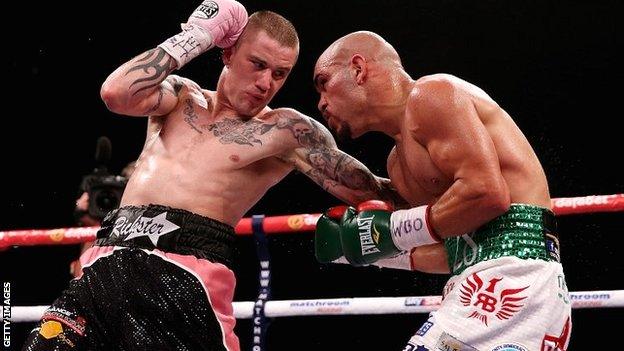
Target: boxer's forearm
{"x": 137, "y": 88}
{"x": 430, "y": 259}
{"x": 467, "y": 205}
{"x": 352, "y": 182}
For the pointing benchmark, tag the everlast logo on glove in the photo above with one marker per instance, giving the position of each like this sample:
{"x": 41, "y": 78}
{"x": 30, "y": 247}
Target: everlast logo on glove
{"x": 207, "y": 10}
{"x": 366, "y": 238}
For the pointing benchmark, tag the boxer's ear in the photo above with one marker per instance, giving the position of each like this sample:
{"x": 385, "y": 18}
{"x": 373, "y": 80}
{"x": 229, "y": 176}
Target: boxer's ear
{"x": 226, "y": 56}
{"x": 360, "y": 70}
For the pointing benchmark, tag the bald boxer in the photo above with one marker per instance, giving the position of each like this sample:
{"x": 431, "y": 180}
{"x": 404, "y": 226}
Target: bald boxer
{"x": 480, "y": 204}
{"x": 159, "y": 276}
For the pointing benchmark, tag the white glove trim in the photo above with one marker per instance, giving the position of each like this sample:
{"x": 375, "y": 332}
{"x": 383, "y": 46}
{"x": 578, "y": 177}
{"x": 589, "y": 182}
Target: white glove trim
{"x": 410, "y": 228}
{"x": 188, "y": 44}
{"x": 401, "y": 261}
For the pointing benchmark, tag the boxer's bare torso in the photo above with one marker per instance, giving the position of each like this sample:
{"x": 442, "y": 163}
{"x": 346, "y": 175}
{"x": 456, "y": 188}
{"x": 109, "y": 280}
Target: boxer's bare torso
{"x": 220, "y": 166}
{"x": 421, "y": 177}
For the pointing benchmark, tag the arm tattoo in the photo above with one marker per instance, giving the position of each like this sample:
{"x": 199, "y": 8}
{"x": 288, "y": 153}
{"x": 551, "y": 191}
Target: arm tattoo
{"x": 330, "y": 167}
{"x": 390, "y": 193}
{"x": 333, "y": 169}
{"x": 163, "y": 89}
{"x": 157, "y": 104}
{"x": 155, "y": 61}
{"x": 306, "y": 131}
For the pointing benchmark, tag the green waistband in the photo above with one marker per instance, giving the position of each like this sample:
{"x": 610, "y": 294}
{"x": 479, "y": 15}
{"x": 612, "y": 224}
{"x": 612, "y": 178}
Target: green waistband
{"x": 525, "y": 231}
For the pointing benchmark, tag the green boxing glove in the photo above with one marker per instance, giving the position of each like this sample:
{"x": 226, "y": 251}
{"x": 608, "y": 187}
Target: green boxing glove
{"x": 365, "y": 233}
{"x": 327, "y": 245}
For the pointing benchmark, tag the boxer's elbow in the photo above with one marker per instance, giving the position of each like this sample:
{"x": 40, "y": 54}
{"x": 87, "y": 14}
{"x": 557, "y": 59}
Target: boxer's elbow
{"x": 114, "y": 97}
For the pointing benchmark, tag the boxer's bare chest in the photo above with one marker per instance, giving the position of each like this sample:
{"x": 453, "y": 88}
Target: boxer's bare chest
{"x": 414, "y": 174}
{"x": 228, "y": 140}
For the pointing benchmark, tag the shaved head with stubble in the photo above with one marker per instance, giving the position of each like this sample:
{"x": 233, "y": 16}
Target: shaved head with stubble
{"x": 350, "y": 75}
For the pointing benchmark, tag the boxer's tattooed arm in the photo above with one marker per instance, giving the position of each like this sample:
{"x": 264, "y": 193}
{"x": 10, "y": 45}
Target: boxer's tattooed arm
{"x": 145, "y": 77}
{"x": 392, "y": 194}
{"x": 157, "y": 104}
{"x": 172, "y": 86}
{"x": 155, "y": 65}
{"x": 338, "y": 173}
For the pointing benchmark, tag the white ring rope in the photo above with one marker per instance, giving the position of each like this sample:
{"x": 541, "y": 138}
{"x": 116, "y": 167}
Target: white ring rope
{"x": 356, "y": 305}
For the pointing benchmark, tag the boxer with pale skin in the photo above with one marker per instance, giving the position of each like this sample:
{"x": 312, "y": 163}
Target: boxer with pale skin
{"x": 159, "y": 276}
{"x": 479, "y": 201}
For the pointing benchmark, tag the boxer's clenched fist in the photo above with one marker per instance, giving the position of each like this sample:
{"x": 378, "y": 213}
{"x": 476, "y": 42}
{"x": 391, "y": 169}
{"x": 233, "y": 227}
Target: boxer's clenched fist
{"x": 213, "y": 23}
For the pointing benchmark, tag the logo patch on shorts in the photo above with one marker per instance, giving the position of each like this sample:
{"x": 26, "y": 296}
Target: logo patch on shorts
{"x": 424, "y": 328}
{"x": 76, "y": 323}
{"x": 486, "y": 301}
{"x": 412, "y": 347}
{"x": 448, "y": 342}
{"x": 153, "y": 228}
{"x": 54, "y": 329}
{"x": 208, "y": 9}
{"x": 50, "y": 329}
{"x": 510, "y": 347}
{"x": 557, "y": 343}
{"x": 552, "y": 247}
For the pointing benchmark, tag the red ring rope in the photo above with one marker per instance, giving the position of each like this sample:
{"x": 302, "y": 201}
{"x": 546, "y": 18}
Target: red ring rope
{"x": 284, "y": 224}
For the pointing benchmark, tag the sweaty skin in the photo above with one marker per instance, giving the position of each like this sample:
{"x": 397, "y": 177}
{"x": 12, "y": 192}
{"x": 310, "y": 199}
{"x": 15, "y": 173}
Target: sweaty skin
{"x": 455, "y": 147}
{"x": 216, "y": 153}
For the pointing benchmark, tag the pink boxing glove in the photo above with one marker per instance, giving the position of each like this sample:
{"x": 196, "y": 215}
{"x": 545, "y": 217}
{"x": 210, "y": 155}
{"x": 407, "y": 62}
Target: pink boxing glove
{"x": 224, "y": 20}
{"x": 214, "y": 22}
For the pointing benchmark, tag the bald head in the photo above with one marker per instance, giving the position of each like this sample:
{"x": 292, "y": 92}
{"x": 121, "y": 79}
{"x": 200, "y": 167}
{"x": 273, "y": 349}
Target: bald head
{"x": 367, "y": 44}
{"x": 362, "y": 84}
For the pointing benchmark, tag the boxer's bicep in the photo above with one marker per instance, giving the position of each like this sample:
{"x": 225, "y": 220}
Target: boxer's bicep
{"x": 164, "y": 99}
{"x": 448, "y": 126}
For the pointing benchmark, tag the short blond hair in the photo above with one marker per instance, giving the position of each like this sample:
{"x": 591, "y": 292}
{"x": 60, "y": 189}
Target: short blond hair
{"x": 276, "y": 26}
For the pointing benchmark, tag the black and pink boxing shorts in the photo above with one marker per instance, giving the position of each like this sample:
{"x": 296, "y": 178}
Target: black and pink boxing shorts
{"x": 158, "y": 278}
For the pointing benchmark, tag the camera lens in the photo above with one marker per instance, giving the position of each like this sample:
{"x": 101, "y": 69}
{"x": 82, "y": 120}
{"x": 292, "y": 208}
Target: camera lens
{"x": 105, "y": 194}
{"x": 106, "y": 200}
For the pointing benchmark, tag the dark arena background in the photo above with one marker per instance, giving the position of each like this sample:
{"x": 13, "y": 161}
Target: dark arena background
{"x": 552, "y": 65}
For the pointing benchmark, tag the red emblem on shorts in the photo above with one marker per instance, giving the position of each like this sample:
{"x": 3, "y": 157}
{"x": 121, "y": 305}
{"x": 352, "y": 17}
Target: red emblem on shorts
{"x": 487, "y": 302}
{"x": 560, "y": 343}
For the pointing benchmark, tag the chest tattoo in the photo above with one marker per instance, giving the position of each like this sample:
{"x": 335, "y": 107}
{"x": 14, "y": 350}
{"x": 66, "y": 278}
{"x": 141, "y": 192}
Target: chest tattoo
{"x": 190, "y": 117}
{"x": 231, "y": 130}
